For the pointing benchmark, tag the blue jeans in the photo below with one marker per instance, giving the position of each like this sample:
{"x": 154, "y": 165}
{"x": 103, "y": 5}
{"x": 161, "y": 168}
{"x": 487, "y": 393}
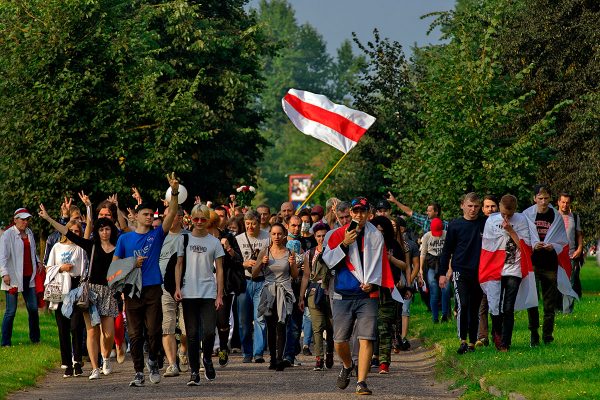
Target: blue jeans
{"x": 434, "y": 296}
{"x": 11, "y": 310}
{"x": 307, "y": 327}
{"x": 247, "y": 314}
{"x": 292, "y": 342}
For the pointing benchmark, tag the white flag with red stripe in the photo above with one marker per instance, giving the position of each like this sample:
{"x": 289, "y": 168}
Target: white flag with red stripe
{"x": 317, "y": 116}
{"x": 501, "y": 256}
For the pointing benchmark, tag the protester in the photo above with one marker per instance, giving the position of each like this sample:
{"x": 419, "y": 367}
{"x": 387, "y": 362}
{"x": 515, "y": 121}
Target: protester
{"x": 144, "y": 311}
{"x": 251, "y": 242}
{"x": 342, "y": 215}
{"x": 575, "y": 237}
{"x": 19, "y": 265}
{"x": 278, "y": 266}
{"x": 99, "y": 251}
{"x": 551, "y": 244}
{"x": 489, "y": 207}
{"x": 286, "y": 211}
{"x": 434, "y": 210}
{"x": 68, "y": 260}
{"x": 432, "y": 244}
{"x": 265, "y": 214}
{"x": 200, "y": 291}
{"x": 356, "y": 294}
{"x": 314, "y": 284}
{"x": 383, "y": 208}
{"x": 462, "y": 248}
{"x": 504, "y": 271}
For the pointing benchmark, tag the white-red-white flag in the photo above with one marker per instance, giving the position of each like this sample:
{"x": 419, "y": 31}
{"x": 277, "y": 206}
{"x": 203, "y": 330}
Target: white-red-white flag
{"x": 317, "y": 116}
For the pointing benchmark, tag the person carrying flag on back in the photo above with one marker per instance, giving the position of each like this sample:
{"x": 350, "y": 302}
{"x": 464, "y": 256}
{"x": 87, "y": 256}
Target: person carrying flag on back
{"x": 357, "y": 253}
{"x": 551, "y": 262}
{"x": 505, "y": 269}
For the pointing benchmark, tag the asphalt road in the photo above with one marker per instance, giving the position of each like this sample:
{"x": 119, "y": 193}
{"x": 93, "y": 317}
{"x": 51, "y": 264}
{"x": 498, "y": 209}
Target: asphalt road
{"x": 411, "y": 377}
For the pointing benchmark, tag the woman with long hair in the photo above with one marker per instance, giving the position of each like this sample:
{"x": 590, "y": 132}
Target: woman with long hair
{"x": 100, "y": 250}
{"x": 68, "y": 260}
{"x": 278, "y": 266}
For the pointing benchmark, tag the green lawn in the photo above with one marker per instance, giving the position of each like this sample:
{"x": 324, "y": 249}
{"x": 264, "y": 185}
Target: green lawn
{"x": 23, "y": 363}
{"x": 565, "y": 369}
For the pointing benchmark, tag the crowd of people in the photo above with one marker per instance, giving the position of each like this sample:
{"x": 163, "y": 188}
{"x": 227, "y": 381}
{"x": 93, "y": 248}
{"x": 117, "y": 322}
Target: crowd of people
{"x": 185, "y": 288}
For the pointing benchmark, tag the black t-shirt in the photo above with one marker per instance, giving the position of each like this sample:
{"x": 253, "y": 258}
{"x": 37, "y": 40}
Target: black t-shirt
{"x": 543, "y": 258}
{"x": 308, "y": 243}
{"x": 101, "y": 261}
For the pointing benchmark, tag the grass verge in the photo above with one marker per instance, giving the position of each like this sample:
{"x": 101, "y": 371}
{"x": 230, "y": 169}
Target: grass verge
{"x": 565, "y": 369}
{"x": 23, "y": 363}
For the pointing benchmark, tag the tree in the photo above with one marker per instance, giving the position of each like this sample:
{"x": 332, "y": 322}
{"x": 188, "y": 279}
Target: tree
{"x": 467, "y": 103}
{"x": 104, "y": 94}
{"x": 560, "y": 41}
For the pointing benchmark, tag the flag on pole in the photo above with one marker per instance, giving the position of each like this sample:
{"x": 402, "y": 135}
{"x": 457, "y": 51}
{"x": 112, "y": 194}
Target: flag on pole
{"x": 335, "y": 124}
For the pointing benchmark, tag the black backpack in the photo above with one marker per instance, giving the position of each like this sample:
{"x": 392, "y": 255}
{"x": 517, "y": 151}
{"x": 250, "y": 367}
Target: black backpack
{"x": 169, "y": 281}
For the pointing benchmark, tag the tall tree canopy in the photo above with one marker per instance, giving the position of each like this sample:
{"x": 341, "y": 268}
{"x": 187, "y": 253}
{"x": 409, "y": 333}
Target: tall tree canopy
{"x": 104, "y": 94}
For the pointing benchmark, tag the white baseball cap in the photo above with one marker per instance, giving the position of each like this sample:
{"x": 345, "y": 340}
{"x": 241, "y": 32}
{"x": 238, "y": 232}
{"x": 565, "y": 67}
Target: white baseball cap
{"x": 22, "y": 213}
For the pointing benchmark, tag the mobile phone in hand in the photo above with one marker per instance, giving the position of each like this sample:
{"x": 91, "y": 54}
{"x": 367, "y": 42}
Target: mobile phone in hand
{"x": 353, "y": 225}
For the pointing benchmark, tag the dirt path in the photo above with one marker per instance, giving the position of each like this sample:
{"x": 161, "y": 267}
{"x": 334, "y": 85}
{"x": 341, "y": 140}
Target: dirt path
{"x": 411, "y": 377}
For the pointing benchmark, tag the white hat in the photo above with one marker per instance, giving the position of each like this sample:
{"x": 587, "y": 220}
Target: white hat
{"x": 22, "y": 213}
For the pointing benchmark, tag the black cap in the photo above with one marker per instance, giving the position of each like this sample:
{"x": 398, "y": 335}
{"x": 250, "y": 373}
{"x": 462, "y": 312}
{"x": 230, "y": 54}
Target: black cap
{"x": 360, "y": 202}
{"x": 383, "y": 204}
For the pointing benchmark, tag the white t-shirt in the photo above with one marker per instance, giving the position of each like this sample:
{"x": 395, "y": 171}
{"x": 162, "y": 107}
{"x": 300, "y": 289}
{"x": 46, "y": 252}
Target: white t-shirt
{"x": 62, "y": 253}
{"x": 169, "y": 247}
{"x": 250, "y": 244}
{"x": 199, "y": 281}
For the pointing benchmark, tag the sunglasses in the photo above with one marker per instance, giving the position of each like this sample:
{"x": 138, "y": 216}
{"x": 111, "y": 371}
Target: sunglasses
{"x": 199, "y": 219}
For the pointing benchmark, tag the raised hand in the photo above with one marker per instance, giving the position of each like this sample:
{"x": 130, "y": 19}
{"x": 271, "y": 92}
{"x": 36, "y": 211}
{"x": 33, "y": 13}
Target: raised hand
{"x": 114, "y": 200}
{"x": 43, "y": 213}
{"x": 85, "y": 199}
{"x": 66, "y": 206}
{"x": 173, "y": 182}
{"x": 136, "y": 195}
{"x": 197, "y": 200}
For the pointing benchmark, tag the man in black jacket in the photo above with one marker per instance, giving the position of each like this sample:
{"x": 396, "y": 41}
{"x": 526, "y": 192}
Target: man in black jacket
{"x": 463, "y": 246}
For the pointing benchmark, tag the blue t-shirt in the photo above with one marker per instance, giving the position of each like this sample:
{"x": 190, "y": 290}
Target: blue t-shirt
{"x": 132, "y": 244}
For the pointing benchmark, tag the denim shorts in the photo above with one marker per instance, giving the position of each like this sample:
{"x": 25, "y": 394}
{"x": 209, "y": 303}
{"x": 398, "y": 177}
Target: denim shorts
{"x": 350, "y": 312}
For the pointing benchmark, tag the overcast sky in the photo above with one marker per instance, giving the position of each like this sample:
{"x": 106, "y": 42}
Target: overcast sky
{"x": 396, "y": 19}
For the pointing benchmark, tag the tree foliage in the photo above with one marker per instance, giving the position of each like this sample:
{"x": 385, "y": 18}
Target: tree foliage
{"x": 104, "y": 94}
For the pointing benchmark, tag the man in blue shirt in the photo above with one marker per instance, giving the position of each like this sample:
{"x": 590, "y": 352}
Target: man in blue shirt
{"x": 145, "y": 311}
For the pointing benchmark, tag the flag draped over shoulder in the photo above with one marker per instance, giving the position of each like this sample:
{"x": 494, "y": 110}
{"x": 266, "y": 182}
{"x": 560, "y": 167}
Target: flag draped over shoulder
{"x": 500, "y": 256}
{"x": 335, "y": 124}
{"x": 557, "y": 237}
{"x": 376, "y": 267}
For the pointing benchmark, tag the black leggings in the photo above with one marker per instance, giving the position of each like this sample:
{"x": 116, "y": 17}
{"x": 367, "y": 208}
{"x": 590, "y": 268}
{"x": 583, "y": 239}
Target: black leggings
{"x": 468, "y": 298}
{"x": 276, "y": 336}
{"x": 223, "y": 321}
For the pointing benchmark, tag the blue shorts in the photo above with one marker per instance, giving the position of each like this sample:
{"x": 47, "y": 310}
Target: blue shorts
{"x": 350, "y": 312}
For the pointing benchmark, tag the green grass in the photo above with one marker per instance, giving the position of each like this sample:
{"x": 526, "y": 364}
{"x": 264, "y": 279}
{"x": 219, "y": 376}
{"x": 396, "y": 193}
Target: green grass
{"x": 23, "y": 363}
{"x": 565, "y": 369}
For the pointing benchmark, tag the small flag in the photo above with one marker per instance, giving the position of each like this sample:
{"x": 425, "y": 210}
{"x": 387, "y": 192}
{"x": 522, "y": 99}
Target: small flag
{"x": 335, "y": 124}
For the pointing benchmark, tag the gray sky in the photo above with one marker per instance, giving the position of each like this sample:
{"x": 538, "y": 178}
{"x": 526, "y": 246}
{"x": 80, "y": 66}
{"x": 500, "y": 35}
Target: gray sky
{"x": 396, "y": 19}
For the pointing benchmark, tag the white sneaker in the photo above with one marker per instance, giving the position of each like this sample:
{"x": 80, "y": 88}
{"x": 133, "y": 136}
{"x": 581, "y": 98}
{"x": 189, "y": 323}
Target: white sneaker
{"x": 154, "y": 373}
{"x": 184, "y": 365}
{"x": 113, "y": 353}
{"x": 171, "y": 370}
{"x": 95, "y": 374}
{"x": 106, "y": 367}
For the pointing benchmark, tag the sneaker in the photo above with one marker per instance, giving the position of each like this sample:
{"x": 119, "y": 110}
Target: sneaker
{"x": 224, "y": 357}
{"x": 138, "y": 380}
{"x": 171, "y": 370}
{"x": 106, "y": 367}
{"x": 306, "y": 351}
{"x": 194, "y": 379}
{"x": 77, "y": 370}
{"x": 184, "y": 364}
{"x": 68, "y": 372}
{"x": 247, "y": 359}
{"x": 384, "y": 368}
{"x": 285, "y": 363}
{"x": 361, "y": 388}
{"x": 463, "y": 348}
{"x": 154, "y": 372}
{"x": 485, "y": 341}
{"x": 471, "y": 348}
{"x": 209, "y": 370}
{"x": 374, "y": 362}
{"x": 296, "y": 363}
{"x": 259, "y": 360}
{"x": 479, "y": 343}
{"x": 273, "y": 365}
{"x": 535, "y": 339}
{"x": 319, "y": 364}
{"x": 95, "y": 374}
{"x": 405, "y": 345}
{"x": 343, "y": 379}
{"x": 329, "y": 360}
{"x": 113, "y": 353}
{"x": 121, "y": 353}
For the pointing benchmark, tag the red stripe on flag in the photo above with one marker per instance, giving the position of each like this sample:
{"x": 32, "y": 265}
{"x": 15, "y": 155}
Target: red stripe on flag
{"x": 526, "y": 265}
{"x": 565, "y": 261}
{"x": 490, "y": 265}
{"x": 330, "y": 119}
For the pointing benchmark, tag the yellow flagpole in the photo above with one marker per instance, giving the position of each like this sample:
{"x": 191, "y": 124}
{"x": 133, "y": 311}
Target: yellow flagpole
{"x": 320, "y": 183}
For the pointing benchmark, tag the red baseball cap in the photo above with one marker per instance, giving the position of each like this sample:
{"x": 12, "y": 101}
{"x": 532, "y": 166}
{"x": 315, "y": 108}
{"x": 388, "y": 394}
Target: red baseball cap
{"x": 437, "y": 227}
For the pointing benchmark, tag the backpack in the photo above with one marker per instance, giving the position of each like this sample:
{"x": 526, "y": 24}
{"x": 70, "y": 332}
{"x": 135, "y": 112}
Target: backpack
{"x": 169, "y": 281}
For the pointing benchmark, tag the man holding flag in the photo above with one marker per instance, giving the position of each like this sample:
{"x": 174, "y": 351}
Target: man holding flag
{"x": 360, "y": 260}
